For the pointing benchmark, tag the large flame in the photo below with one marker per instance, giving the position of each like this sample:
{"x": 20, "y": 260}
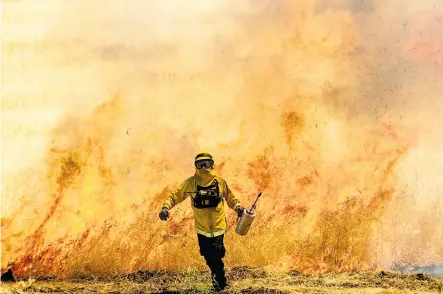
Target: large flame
{"x": 331, "y": 108}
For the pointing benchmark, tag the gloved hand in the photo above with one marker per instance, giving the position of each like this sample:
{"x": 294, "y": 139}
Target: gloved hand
{"x": 240, "y": 211}
{"x": 164, "y": 214}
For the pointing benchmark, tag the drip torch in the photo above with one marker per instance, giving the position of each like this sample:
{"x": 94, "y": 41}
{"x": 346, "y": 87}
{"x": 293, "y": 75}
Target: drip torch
{"x": 244, "y": 222}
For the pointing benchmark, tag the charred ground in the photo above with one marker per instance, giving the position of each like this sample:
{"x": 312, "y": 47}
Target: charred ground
{"x": 243, "y": 280}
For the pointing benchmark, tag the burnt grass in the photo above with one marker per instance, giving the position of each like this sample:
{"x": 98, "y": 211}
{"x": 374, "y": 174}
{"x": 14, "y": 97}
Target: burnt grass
{"x": 242, "y": 279}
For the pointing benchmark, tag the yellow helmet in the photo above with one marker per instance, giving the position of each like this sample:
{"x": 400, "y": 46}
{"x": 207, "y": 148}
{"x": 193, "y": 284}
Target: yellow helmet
{"x": 203, "y": 160}
{"x": 202, "y": 156}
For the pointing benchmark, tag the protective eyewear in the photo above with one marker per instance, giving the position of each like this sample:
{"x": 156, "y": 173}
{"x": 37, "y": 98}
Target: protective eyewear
{"x": 204, "y": 163}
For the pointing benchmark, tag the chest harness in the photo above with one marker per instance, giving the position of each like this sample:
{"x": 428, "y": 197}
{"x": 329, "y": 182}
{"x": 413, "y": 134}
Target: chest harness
{"x": 207, "y": 197}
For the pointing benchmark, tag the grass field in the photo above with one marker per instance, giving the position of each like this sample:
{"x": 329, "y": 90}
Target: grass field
{"x": 332, "y": 109}
{"x": 242, "y": 280}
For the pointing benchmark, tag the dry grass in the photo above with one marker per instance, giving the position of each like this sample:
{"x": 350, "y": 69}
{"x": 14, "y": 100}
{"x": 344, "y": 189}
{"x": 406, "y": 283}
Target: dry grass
{"x": 242, "y": 279}
{"x": 337, "y": 239}
{"x": 338, "y": 243}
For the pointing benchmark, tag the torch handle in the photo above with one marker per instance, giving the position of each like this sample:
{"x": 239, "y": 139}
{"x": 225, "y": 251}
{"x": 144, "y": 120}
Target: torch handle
{"x": 255, "y": 202}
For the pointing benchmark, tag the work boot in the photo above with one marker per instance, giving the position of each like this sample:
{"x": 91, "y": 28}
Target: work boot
{"x": 217, "y": 287}
{"x": 219, "y": 283}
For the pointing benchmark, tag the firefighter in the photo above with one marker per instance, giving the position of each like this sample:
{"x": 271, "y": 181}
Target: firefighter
{"x": 208, "y": 193}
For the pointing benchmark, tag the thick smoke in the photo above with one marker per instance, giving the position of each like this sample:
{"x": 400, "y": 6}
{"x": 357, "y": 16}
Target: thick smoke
{"x": 332, "y": 108}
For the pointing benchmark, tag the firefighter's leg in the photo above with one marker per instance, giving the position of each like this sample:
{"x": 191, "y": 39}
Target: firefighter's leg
{"x": 205, "y": 251}
{"x": 211, "y": 264}
{"x": 215, "y": 257}
{"x": 213, "y": 250}
{"x": 218, "y": 272}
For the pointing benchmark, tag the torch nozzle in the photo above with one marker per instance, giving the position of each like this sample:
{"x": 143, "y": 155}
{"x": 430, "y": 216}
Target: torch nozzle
{"x": 255, "y": 202}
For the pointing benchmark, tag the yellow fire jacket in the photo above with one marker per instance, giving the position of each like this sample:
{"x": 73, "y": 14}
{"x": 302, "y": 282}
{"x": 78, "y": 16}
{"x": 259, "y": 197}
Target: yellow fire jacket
{"x": 210, "y": 222}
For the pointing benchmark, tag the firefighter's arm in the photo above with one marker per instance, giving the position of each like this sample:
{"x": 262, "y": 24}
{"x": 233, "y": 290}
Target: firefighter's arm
{"x": 232, "y": 201}
{"x": 177, "y": 196}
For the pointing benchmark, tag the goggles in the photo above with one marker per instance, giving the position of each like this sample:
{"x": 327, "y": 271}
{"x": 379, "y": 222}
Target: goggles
{"x": 205, "y": 163}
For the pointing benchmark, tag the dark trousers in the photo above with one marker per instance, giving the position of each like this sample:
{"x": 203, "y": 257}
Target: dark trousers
{"x": 213, "y": 250}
